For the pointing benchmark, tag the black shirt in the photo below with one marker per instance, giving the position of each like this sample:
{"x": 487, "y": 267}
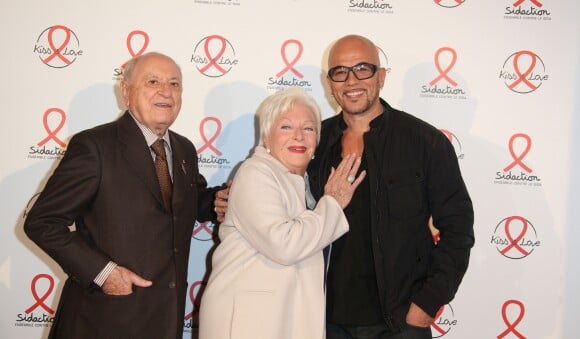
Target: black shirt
{"x": 351, "y": 279}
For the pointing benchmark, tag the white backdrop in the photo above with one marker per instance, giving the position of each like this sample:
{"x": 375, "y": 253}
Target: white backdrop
{"x": 500, "y": 78}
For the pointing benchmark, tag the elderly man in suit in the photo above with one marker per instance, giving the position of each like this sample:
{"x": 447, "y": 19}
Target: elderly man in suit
{"x": 127, "y": 257}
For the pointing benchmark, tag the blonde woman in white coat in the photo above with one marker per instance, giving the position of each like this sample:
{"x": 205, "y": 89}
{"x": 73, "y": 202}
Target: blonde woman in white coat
{"x": 267, "y": 279}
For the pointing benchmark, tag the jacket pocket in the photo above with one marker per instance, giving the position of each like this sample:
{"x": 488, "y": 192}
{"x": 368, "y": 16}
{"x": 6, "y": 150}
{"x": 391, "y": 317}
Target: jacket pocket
{"x": 406, "y": 192}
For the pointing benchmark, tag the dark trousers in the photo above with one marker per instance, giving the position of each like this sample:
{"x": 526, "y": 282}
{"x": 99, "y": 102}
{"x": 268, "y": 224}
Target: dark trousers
{"x": 376, "y": 332}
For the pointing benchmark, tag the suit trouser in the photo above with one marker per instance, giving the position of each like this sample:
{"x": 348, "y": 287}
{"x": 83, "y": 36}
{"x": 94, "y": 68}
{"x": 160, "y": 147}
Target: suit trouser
{"x": 376, "y": 332}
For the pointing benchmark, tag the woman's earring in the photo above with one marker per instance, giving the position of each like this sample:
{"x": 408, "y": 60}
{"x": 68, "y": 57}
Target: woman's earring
{"x": 267, "y": 150}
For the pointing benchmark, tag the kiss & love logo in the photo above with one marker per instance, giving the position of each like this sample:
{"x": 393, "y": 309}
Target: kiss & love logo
{"x": 449, "y": 3}
{"x": 58, "y": 47}
{"x": 515, "y": 237}
{"x": 444, "y": 321}
{"x": 383, "y": 59}
{"x": 214, "y": 56}
{"x": 203, "y": 231}
{"x": 523, "y": 72}
{"x": 455, "y": 142}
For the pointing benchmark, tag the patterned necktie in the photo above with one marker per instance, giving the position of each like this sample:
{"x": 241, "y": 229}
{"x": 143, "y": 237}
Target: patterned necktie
{"x": 162, "y": 170}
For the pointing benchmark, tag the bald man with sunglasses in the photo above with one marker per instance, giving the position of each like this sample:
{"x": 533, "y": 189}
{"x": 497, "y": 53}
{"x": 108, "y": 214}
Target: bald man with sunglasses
{"x": 386, "y": 277}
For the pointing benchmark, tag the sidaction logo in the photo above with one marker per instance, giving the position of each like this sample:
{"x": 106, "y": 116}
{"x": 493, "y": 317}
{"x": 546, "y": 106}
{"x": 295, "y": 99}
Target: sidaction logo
{"x": 137, "y": 43}
{"x": 208, "y": 155}
{"x": 58, "y": 47}
{"x": 51, "y": 146}
{"x": 443, "y": 85}
{"x": 188, "y": 319}
{"x": 515, "y": 237}
{"x": 512, "y": 313}
{"x": 214, "y": 56}
{"x": 526, "y": 10}
{"x": 518, "y": 172}
{"x": 291, "y": 51}
{"x": 39, "y": 313}
{"x": 523, "y": 72}
{"x": 370, "y": 6}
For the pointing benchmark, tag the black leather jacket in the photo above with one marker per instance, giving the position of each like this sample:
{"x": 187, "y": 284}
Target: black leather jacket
{"x": 414, "y": 173}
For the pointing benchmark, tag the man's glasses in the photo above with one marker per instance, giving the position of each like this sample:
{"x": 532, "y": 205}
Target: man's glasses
{"x": 361, "y": 71}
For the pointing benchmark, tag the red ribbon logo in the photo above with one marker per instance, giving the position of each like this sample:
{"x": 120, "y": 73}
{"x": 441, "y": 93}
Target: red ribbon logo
{"x": 518, "y": 158}
{"x": 454, "y": 141}
{"x": 202, "y": 226}
{"x": 515, "y": 237}
{"x": 52, "y": 133}
{"x": 129, "y": 42}
{"x": 143, "y": 46}
{"x": 208, "y": 143}
{"x": 522, "y": 77}
{"x": 216, "y": 58}
{"x": 213, "y": 59}
{"x": 202, "y": 231}
{"x": 195, "y": 308}
{"x": 443, "y": 72}
{"x": 57, "y": 50}
{"x": 453, "y": 3}
{"x": 523, "y": 72}
{"x": 40, "y": 300}
{"x": 511, "y": 326}
{"x": 535, "y": 2}
{"x": 57, "y": 47}
{"x": 443, "y": 322}
{"x": 436, "y": 327}
{"x": 290, "y": 64}
{"x": 448, "y": 134}
{"x": 513, "y": 243}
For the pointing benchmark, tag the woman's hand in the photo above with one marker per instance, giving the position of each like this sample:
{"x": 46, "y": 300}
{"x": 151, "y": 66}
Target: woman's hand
{"x": 343, "y": 181}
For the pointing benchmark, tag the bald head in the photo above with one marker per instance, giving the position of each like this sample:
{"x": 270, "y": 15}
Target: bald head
{"x": 132, "y": 64}
{"x": 357, "y": 95}
{"x": 353, "y": 47}
{"x": 152, "y": 90}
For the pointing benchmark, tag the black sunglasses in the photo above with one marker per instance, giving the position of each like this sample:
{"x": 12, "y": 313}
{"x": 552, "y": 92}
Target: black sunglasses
{"x": 361, "y": 71}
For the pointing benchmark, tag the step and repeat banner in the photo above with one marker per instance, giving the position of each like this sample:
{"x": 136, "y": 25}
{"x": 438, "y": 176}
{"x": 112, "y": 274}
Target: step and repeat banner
{"x": 500, "y": 78}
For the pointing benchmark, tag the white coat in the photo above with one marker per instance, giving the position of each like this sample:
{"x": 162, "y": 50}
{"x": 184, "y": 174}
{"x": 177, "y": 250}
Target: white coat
{"x": 267, "y": 278}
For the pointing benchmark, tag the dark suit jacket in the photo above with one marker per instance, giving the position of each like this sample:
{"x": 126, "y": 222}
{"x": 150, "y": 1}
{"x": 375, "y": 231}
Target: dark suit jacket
{"x": 106, "y": 185}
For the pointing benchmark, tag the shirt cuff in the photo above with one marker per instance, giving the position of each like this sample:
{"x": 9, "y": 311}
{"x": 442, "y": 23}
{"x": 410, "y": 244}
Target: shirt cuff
{"x": 104, "y": 274}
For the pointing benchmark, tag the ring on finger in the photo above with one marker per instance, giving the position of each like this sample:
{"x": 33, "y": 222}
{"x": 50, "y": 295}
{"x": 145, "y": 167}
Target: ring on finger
{"x": 350, "y": 179}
